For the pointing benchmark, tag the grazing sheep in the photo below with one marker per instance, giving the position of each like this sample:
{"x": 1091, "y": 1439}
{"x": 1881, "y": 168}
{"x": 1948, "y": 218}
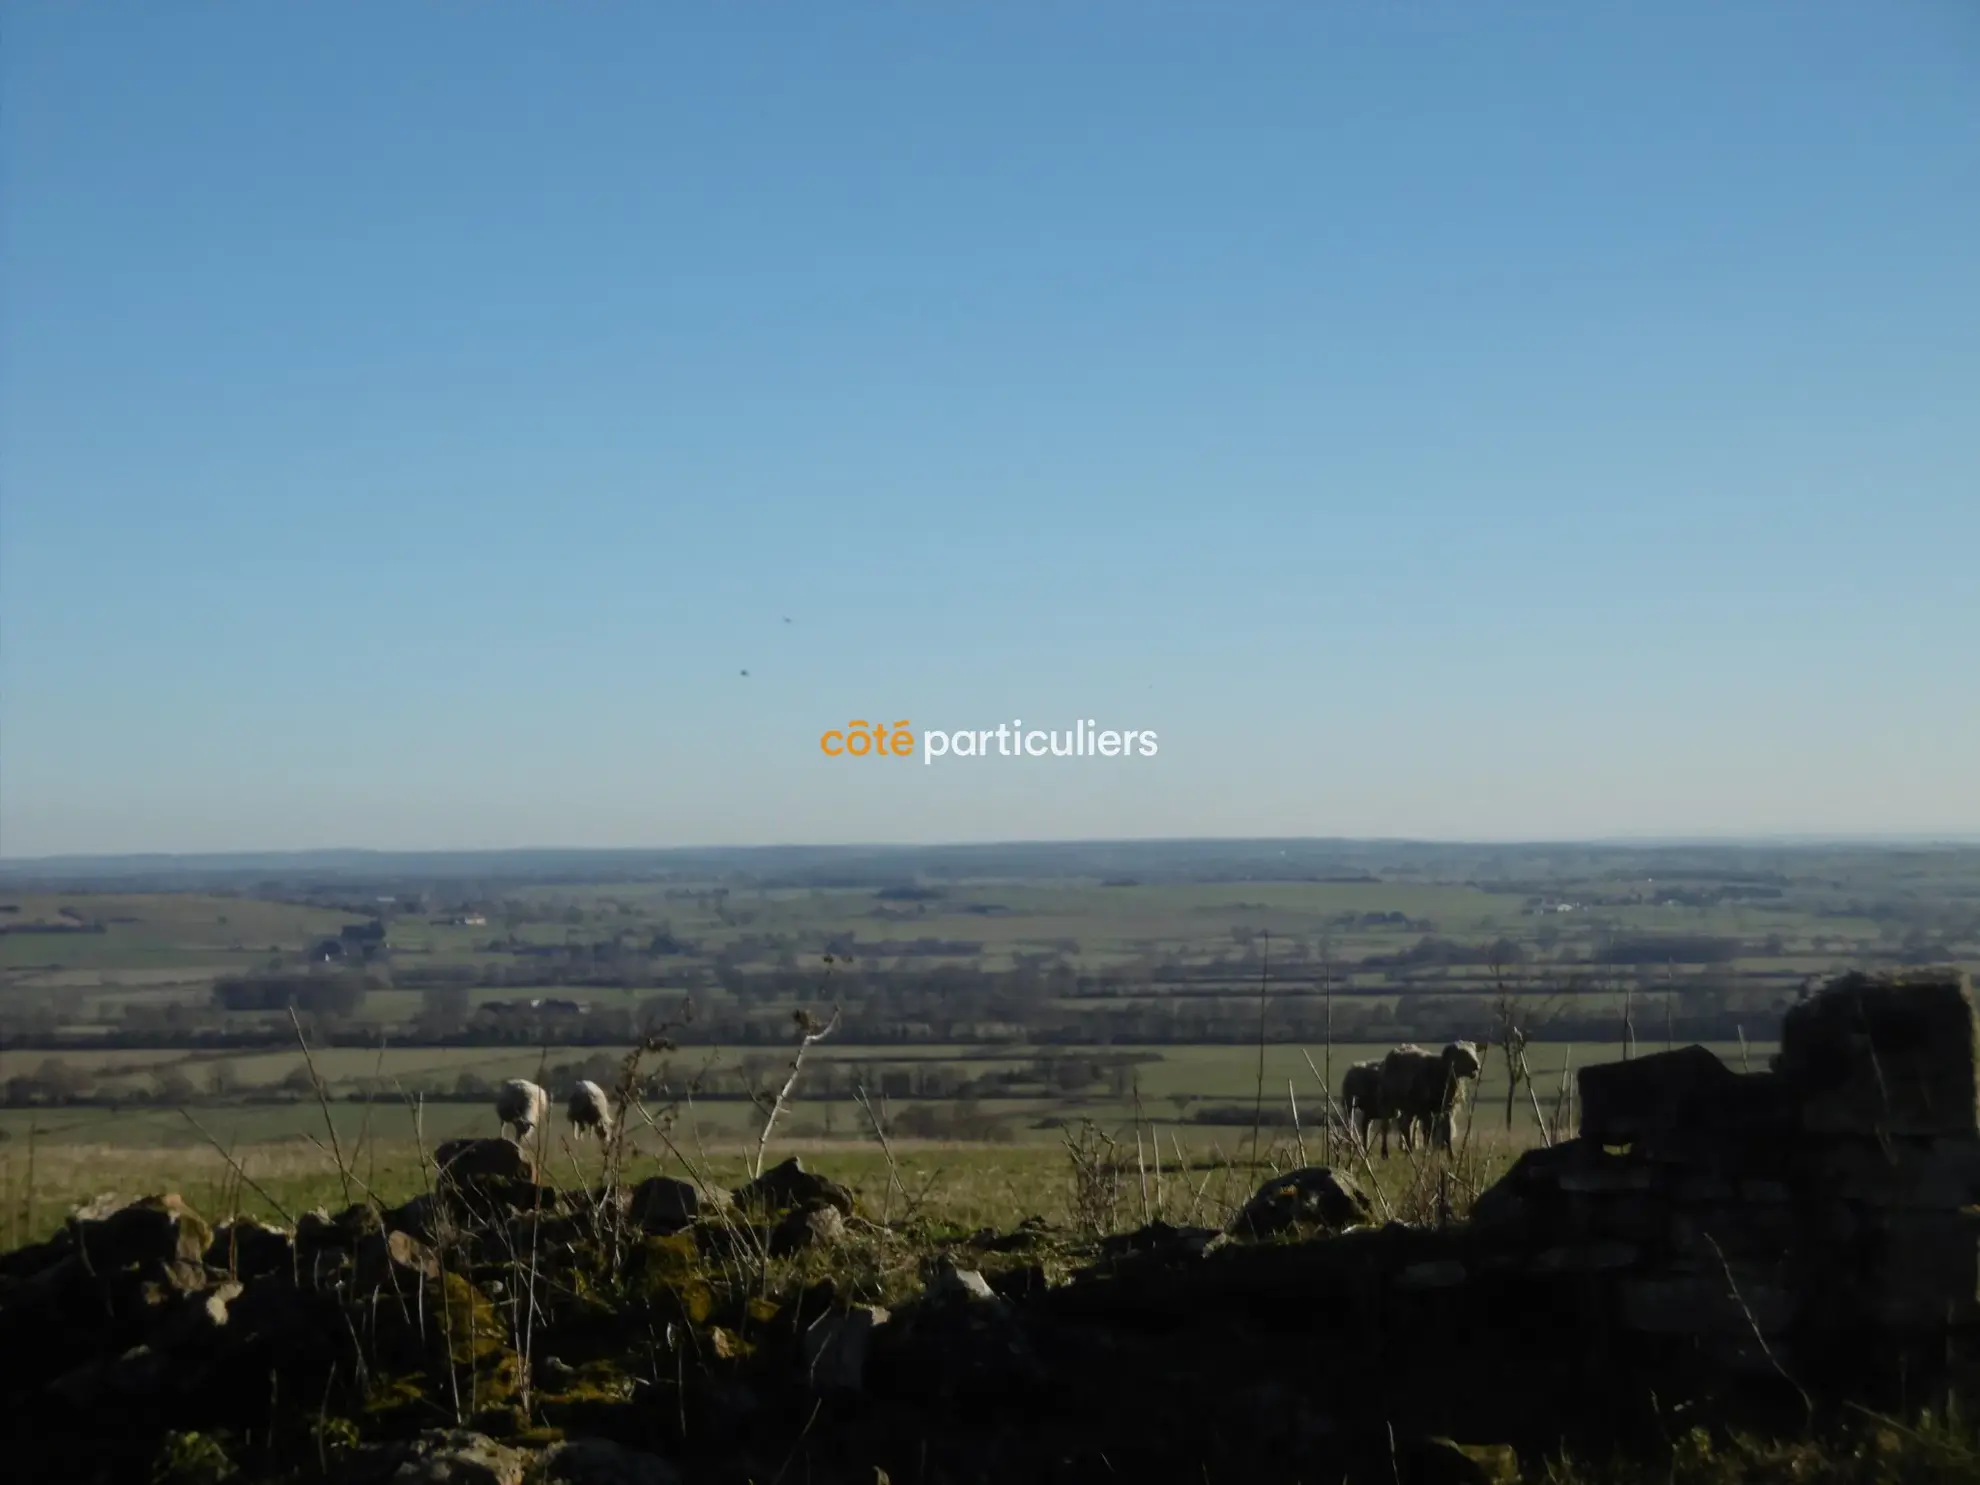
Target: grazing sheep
{"x": 1361, "y": 1101}
{"x": 521, "y": 1103}
{"x": 590, "y": 1110}
{"x": 1424, "y": 1088}
{"x": 1460, "y": 1063}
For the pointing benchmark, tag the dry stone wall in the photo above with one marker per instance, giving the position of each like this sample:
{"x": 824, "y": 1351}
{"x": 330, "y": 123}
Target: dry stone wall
{"x": 1747, "y": 1245}
{"x": 1815, "y": 1221}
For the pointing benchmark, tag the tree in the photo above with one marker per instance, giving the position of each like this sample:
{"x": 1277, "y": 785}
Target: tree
{"x": 175, "y": 1087}
{"x": 444, "y": 1009}
{"x": 297, "y": 1080}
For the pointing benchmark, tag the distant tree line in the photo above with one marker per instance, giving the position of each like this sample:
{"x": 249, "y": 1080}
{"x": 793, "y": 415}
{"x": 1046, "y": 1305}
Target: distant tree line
{"x": 334, "y": 994}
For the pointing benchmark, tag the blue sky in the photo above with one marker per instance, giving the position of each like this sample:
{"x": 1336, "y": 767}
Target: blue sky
{"x": 1447, "y": 420}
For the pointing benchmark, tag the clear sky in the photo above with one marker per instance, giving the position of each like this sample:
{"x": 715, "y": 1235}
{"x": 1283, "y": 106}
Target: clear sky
{"x": 1468, "y": 420}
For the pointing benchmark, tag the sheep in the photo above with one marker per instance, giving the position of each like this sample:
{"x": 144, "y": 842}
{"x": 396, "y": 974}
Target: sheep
{"x": 1424, "y": 1088}
{"x": 1440, "y": 1097}
{"x": 590, "y": 1111}
{"x": 1361, "y": 1100}
{"x": 521, "y": 1103}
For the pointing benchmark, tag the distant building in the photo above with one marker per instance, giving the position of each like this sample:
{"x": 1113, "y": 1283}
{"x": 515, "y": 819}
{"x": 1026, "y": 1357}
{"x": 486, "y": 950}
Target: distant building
{"x": 536, "y": 1007}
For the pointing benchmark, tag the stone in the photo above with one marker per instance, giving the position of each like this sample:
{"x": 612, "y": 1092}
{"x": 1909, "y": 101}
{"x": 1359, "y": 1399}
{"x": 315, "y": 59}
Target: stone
{"x": 789, "y": 1184}
{"x": 663, "y": 1204}
{"x": 1604, "y": 1179}
{"x": 459, "y": 1457}
{"x": 484, "y": 1160}
{"x": 314, "y": 1229}
{"x": 1316, "y": 1196}
{"x": 1893, "y": 1055}
{"x": 1710, "y": 1236}
{"x": 1703, "y": 1304}
{"x": 318, "y": 1231}
{"x": 1581, "y": 1258}
{"x": 1623, "y": 1101}
{"x": 818, "y": 1225}
{"x": 834, "y": 1350}
{"x": 154, "y": 1230}
{"x": 248, "y": 1249}
{"x": 959, "y": 1340}
{"x": 1160, "y": 1237}
{"x": 1440, "y": 1461}
{"x": 1924, "y": 1268}
{"x": 100, "y": 1207}
{"x": 197, "y": 1321}
{"x": 1631, "y": 1217}
{"x": 393, "y": 1260}
{"x": 1927, "y": 1174}
{"x": 953, "y": 1285}
{"x": 595, "y": 1461}
{"x": 427, "y": 1217}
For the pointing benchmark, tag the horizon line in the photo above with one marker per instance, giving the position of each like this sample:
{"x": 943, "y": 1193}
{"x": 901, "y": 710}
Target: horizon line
{"x": 1802, "y": 838}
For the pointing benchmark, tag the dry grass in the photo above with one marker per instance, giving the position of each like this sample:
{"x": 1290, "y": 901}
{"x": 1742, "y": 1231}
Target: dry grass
{"x": 1196, "y": 1177}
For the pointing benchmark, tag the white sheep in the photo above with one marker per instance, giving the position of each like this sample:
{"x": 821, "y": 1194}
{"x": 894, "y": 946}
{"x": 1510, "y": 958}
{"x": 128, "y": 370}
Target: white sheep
{"x": 521, "y": 1103}
{"x": 590, "y": 1110}
{"x": 1425, "y": 1088}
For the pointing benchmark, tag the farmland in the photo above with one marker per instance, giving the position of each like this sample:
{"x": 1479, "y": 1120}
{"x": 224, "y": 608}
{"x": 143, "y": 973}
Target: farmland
{"x": 982, "y": 995}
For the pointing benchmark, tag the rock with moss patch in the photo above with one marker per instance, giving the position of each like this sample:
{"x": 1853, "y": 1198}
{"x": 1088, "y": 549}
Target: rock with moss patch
{"x": 187, "y": 1458}
{"x": 664, "y": 1204}
{"x": 817, "y": 1224}
{"x": 484, "y": 1160}
{"x": 1315, "y": 1197}
{"x": 456, "y": 1457}
{"x": 790, "y": 1185}
{"x": 393, "y": 1260}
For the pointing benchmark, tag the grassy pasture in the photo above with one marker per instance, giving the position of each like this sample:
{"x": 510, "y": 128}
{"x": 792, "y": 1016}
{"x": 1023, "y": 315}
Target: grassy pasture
{"x": 159, "y": 932}
{"x": 1210, "y": 1072}
{"x": 1200, "y": 1176}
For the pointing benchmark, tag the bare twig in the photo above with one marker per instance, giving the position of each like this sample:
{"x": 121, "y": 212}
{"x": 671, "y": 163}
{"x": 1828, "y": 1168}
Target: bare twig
{"x": 811, "y": 1033}
{"x": 1258, "y": 1108}
{"x": 1759, "y": 1337}
{"x": 323, "y": 1102}
{"x": 893, "y": 1167}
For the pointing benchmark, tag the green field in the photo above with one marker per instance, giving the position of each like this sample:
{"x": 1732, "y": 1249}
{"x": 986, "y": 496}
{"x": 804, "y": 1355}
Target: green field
{"x": 996, "y": 1010}
{"x": 1161, "y": 1073}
